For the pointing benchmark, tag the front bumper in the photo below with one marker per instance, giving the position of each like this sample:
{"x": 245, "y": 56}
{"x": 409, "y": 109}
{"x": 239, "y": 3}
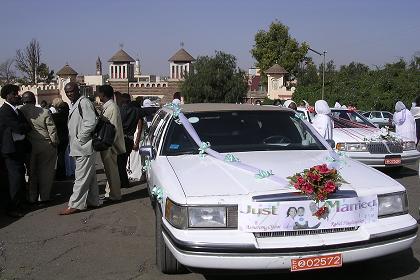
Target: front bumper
{"x": 267, "y": 254}
{"x": 378, "y": 160}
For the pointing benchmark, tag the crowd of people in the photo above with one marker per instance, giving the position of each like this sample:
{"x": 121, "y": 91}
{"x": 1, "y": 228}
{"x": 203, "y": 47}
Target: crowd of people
{"x": 41, "y": 144}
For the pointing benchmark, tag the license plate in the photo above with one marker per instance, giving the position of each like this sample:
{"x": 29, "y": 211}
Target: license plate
{"x": 318, "y": 262}
{"x": 393, "y": 161}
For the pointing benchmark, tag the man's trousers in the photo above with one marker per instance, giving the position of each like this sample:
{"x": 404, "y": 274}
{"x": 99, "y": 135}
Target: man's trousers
{"x": 85, "y": 189}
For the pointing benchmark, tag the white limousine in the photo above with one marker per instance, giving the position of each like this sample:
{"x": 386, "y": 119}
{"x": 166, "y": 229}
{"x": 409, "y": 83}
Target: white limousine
{"x": 218, "y": 176}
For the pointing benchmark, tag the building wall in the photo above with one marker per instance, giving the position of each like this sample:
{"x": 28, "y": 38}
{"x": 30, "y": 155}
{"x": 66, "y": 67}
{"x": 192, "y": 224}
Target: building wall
{"x": 165, "y": 90}
{"x": 94, "y": 80}
{"x": 276, "y": 88}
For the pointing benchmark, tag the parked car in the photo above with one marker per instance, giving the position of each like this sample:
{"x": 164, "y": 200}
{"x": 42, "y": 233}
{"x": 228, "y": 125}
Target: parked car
{"x": 381, "y": 118}
{"x": 198, "y": 198}
{"x": 361, "y": 140}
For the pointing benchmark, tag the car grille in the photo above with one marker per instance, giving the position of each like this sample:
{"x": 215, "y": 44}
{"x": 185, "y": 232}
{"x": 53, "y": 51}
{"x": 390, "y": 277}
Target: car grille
{"x": 395, "y": 147}
{"x": 380, "y": 148}
{"x": 302, "y": 232}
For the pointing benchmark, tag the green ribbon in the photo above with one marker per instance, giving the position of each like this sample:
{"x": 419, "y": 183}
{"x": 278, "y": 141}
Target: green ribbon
{"x": 340, "y": 160}
{"x": 263, "y": 174}
{"x": 231, "y": 158}
{"x": 203, "y": 148}
{"x": 157, "y": 192}
{"x": 146, "y": 166}
{"x": 175, "y": 109}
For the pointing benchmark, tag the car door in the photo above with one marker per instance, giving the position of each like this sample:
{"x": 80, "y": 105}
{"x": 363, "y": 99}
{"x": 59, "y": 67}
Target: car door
{"x": 387, "y": 117}
{"x": 376, "y": 117}
{"x": 156, "y": 139}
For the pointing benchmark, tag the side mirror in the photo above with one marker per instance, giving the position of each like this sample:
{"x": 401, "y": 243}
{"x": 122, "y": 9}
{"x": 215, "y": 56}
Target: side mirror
{"x": 331, "y": 142}
{"x": 147, "y": 151}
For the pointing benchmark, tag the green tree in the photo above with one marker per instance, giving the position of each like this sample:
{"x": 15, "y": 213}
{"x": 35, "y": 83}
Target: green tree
{"x": 215, "y": 79}
{"x": 44, "y": 73}
{"x": 277, "y": 46}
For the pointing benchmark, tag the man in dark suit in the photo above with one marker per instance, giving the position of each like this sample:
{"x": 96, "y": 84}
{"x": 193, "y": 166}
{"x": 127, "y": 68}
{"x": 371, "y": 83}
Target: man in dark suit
{"x": 14, "y": 146}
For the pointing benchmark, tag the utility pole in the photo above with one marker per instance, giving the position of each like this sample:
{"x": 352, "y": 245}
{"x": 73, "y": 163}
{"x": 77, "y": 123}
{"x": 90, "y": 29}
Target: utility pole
{"x": 323, "y": 70}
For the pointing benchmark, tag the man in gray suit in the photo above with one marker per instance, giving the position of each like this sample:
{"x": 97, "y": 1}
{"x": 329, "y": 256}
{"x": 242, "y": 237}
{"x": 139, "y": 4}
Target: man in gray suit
{"x": 43, "y": 138}
{"x": 82, "y": 122}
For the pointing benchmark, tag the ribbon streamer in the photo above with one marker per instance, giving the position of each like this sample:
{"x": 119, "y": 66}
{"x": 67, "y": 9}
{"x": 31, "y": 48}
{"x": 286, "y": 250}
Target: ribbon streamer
{"x": 263, "y": 174}
{"x": 157, "y": 192}
{"x": 203, "y": 148}
{"x": 231, "y": 158}
{"x": 146, "y": 166}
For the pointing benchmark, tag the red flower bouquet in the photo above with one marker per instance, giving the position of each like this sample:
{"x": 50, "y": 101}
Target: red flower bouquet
{"x": 317, "y": 182}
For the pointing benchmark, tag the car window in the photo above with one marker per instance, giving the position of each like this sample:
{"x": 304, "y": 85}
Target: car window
{"x": 240, "y": 131}
{"x": 376, "y": 115}
{"x": 387, "y": 115}
{"x": 367, "y": 114}
{"x": 157, "y": 122}
{"x": 159, "y": 131}
{"x": 349, "y": 119}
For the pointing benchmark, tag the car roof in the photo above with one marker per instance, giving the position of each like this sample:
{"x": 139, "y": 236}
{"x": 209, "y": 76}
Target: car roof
{"x": 216, "y": 107}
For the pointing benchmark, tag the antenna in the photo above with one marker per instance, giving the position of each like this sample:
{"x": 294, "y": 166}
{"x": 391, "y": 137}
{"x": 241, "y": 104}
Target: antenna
{"x": 121, "y": 45}
{"x": 182, "y": 44}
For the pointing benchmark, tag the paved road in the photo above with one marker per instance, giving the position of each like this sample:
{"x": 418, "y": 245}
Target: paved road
{"x": 117, "y": 242}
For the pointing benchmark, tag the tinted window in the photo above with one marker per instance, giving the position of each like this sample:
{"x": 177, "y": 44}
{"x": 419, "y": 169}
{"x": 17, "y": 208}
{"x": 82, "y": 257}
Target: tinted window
{"x": 240, "y": 131}
{"x": 376, "y": 115}
{"x": 387, "y": 115}
{"x": 349, "y": 119}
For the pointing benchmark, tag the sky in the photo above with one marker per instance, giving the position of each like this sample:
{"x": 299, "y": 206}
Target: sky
{"x": 372, "y": 32}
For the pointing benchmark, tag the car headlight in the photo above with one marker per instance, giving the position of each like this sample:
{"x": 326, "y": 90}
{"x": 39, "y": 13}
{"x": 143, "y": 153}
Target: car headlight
{"x": 408, "y": 146}
{"x": 392, "y": 204}
{"x": 219, "y": 216}
{"x": 205, "y": 217}
{"x": 351, "y": 147}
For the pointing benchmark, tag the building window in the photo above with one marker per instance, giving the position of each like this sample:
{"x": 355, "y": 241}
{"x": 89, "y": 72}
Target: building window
{"x": 173, "y": 72}
{"x": 177, "y": 72}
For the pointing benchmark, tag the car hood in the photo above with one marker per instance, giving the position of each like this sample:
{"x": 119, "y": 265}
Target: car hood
{"x": 354, "y": 134}
{"x": 211, "y": 177}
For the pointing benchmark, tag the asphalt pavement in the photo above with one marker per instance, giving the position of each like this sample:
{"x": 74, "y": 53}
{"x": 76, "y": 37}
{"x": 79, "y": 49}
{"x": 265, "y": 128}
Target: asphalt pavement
{"x": 117, "y": 241}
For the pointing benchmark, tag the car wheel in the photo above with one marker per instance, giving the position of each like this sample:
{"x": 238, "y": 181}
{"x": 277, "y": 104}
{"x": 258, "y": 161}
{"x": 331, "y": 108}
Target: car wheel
{"x": 165, "y": 260}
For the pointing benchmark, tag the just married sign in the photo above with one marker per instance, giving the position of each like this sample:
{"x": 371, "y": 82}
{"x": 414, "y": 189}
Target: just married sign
{"x": 298, "y": 215}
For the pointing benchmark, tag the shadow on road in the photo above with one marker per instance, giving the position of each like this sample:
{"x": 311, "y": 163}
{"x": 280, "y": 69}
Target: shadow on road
{"x": 380, "y": 268}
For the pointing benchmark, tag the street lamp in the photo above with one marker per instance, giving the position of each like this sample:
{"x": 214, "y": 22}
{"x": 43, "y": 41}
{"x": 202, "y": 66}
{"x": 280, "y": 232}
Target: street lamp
{"x": 323, "y": 70}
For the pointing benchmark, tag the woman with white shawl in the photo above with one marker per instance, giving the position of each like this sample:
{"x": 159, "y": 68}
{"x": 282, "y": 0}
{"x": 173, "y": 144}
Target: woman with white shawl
{"x": 322, "y": 121}
{"x": 290, "y": 104}
{"x": 415, "y": 111}
{"x": 405, "y": 125}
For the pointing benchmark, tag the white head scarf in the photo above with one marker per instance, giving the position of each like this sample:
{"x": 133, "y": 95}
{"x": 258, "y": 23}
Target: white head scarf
{"x": 321, "y": 107}
{"x": 176, "y": 101}
{"x": 147, "y": 103}
{"x": 288, "y": 102}
{"x": 399, "y": 106}
{"x": 337, "y": 105}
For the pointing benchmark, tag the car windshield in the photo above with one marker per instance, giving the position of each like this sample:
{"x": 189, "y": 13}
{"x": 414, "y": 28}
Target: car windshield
{"x": 241, "y": 131}
{"x": 349, "y": 119}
